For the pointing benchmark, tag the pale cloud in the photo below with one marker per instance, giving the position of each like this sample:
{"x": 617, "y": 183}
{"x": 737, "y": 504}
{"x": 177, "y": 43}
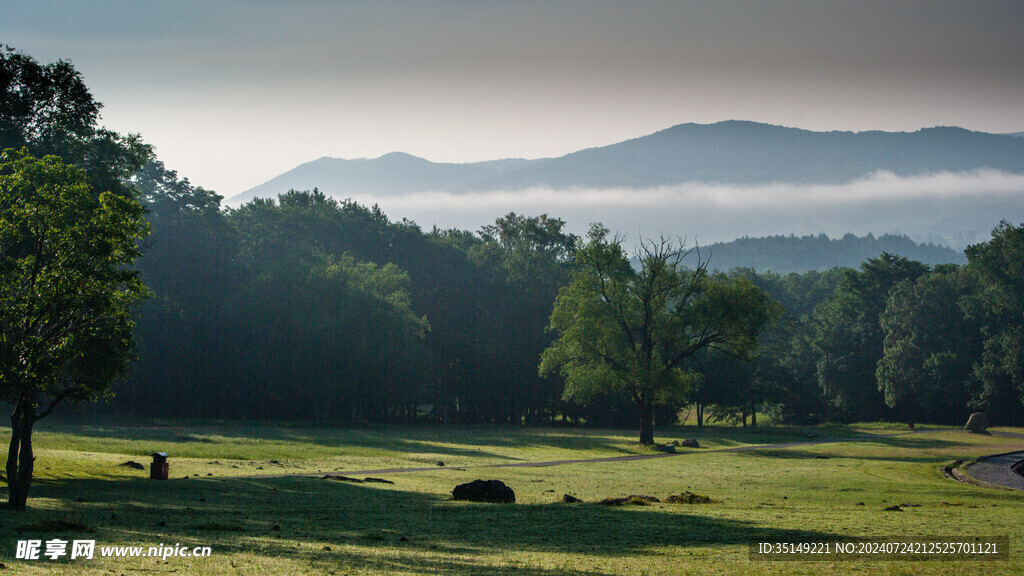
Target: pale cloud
{"x": 954, "y": 207}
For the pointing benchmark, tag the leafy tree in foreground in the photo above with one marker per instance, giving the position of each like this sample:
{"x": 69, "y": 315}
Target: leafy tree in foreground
{"x": 67, "y": 291}
{"x": 623, "y": 329}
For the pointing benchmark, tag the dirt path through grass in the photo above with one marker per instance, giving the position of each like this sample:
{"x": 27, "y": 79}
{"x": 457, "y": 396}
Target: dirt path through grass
{"x": 993, "y": 469}
{"x": 629, "y": 458}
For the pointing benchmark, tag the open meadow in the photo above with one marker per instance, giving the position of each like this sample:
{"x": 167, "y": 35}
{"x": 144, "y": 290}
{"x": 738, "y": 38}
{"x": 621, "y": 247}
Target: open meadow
{"x": 245, "y": 498}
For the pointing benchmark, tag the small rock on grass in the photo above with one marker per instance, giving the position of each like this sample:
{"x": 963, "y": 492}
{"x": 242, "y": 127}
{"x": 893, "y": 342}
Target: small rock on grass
{"x": 570, "y": 499}
{"x": 635, "y": 499}
{"x": 133, "y": 465}
{"x": 691, "y": 498}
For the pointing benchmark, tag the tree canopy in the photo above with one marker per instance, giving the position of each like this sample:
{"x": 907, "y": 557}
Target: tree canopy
{"x": 626, "y": 329}
{"x": 999, "y": 307}
{"x": 48, "y": 109}
{"x": 67, "y": 294}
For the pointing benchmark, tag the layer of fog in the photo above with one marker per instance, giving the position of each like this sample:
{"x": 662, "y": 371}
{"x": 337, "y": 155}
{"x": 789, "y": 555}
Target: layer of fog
{"x": 955, "y": 209}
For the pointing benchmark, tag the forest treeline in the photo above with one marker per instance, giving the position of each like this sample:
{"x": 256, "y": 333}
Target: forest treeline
{"x": 303, "y": 307}
{"x": 784, "y": 254}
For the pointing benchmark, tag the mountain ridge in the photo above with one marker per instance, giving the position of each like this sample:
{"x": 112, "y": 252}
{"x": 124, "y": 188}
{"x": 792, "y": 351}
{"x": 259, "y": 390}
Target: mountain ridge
{"x": 728, "y": 152}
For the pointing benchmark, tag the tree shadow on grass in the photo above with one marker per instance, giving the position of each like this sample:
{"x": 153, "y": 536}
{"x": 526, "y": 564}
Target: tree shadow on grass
{"x": 826, "y": 456}
{"x": 473, "y": 441}
{"x": 916, "y": 442}
{"x": 359, "y": 523}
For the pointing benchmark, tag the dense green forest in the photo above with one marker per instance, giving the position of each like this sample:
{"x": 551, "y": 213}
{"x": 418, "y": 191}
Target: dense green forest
{"x": 302, "y": 307}
{"x": 307, "y": 308}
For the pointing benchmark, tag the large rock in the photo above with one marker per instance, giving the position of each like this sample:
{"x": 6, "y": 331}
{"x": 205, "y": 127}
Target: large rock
{"x": 494, "y": 491}
{"x": 977, "y": 423}
{"x": 690, "y": 443}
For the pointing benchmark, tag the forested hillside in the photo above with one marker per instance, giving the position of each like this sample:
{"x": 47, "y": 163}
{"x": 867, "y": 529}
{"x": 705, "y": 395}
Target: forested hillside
{"x": 785, "y": 254}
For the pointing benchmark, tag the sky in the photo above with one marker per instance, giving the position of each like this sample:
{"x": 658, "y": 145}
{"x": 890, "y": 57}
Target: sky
{"x": 235, "y": 92}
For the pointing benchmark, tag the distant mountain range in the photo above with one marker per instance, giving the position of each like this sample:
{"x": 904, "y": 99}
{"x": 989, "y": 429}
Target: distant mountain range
{"x": 732, "y": 152}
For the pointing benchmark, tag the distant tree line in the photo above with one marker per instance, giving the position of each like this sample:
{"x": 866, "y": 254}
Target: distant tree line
{"x": 784, "y": 254}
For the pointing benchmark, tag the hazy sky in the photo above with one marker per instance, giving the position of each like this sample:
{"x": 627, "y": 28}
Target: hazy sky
{"x": 232, "y": 93}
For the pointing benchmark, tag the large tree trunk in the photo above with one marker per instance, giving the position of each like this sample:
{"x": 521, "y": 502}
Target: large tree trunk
{"x": 646, "y": 422}
{"x": 20, "y": 461}
{"x": 12, "y": 457}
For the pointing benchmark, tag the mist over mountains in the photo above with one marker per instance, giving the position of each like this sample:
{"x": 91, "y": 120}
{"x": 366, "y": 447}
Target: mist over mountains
{"x": 715, "y": 182}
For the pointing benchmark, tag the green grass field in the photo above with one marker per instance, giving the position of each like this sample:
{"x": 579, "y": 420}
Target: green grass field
{"x": 236, "y": 501}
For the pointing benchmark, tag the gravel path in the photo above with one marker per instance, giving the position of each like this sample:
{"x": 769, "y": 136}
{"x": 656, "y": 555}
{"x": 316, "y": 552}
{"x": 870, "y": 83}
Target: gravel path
{"x": 996, "y": 470}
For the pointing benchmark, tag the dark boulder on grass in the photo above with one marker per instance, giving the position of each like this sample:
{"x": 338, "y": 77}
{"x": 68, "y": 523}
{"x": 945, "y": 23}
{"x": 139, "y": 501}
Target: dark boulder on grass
{"x": 133, "y": 465}
{"x": 977, "y": 423}
{"x": 493, "y": 491}
{"x": 690, "y": 443}
{"x": 570, "y": 499}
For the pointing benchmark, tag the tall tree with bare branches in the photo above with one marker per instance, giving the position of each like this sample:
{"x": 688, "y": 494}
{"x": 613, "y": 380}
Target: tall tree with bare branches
{"x": 630, "y": 328}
